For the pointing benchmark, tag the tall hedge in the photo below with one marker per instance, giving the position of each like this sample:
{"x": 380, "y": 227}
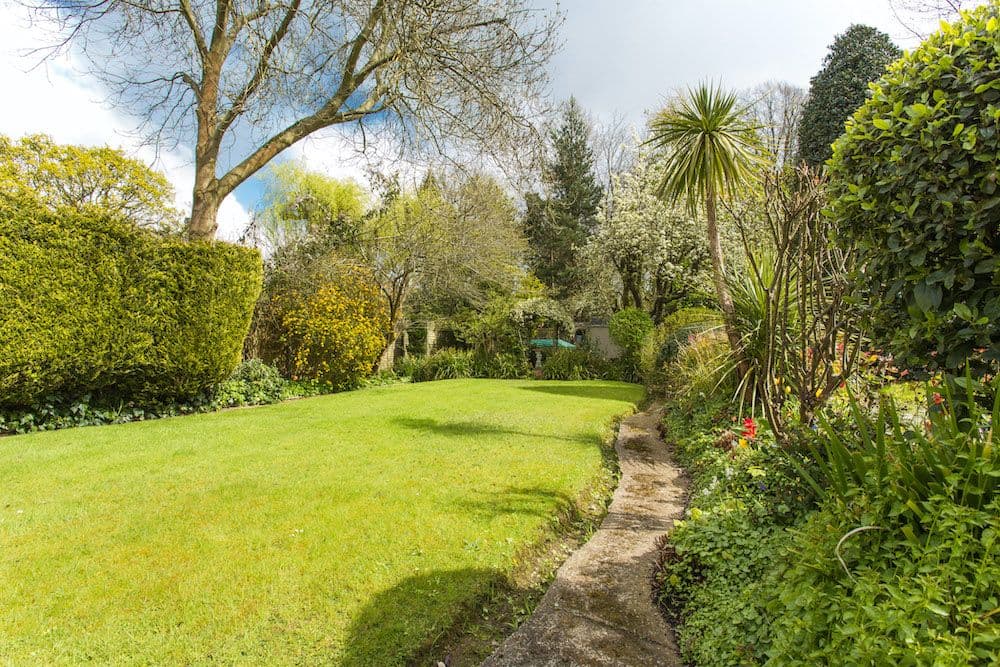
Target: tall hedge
{"x": 914, "y": 191}
{"x": 92, "y": 304}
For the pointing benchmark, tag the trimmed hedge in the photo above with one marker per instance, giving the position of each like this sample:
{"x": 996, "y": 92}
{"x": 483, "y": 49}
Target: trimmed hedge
{"x": 92, "y": 304}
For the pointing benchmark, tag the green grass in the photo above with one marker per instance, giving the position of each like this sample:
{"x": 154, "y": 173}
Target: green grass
{"x": 351, "y": 528}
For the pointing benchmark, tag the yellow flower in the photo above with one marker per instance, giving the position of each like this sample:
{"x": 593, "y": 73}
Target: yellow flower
{"x": 788, "y": 389}
{"x": 744, "y": 443}
{"x": 819, "y": 392}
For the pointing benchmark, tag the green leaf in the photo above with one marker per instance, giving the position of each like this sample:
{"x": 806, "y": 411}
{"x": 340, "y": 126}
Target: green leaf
{"x": 882, "y": 123}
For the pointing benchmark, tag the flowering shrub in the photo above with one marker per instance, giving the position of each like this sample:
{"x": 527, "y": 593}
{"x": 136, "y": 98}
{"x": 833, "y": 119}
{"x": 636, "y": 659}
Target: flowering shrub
{"x": 338, "y": 333}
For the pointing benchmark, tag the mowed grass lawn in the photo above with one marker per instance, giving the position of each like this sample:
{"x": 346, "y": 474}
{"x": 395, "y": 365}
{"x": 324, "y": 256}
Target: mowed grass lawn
{"x": 341, "y": 529}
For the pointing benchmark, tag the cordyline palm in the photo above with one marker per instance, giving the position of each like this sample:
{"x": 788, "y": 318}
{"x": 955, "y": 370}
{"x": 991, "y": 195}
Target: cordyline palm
{"x": 710, "y": 150}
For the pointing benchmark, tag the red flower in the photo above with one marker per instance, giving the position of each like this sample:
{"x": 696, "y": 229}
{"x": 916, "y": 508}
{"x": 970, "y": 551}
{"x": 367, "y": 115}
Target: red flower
{"x": 938, "y": 399}
{"x": 749, "y": 429}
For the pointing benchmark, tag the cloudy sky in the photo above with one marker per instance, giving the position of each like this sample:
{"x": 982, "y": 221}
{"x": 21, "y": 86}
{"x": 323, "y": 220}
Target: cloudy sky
{"x": 618, "y": 56}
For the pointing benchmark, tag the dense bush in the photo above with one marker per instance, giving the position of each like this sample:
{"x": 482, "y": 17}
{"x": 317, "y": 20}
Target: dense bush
{"x": 702, "y": 368}
{"x": 899, "y": 563}
{"x": 915, "y": 194}
{"x": 662, "y": 345}
{"x": 629, "y": 328}
{"x": 337, "y": 333}
{"x": 857, "y": 57}
{"x": 252, "y": 383}
{"x": 576, "y": 365}
{"x": 450, "y": 364}
{"x": 90, "y": 304}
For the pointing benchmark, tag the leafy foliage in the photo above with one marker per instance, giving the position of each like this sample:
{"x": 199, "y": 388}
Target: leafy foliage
{"x": 662, "y": 345}
{"x": 629, "y": 328}
{"x": 657, "y": 253}
{"x": 857, "y": 57}
{"x": 337, "y": 333}
{"x": 450, "y": 364}
{"x": 914, "y": 194}
{"x": 99, "y": 181}
{"x": 252, "y": 383}
{"x": 576, "y": 364}
{"x": 91, "y": 304}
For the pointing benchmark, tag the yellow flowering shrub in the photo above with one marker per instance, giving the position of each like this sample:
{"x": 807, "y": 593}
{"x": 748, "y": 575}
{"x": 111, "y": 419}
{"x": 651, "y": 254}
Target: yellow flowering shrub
{"x": 337, "y": 333}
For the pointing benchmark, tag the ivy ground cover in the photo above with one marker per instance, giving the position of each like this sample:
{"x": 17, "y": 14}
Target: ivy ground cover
{"x": 349, "y": 529}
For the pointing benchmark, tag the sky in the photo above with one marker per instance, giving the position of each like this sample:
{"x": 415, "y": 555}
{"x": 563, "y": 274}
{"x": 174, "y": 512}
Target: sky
{"x": 618, "y": 57}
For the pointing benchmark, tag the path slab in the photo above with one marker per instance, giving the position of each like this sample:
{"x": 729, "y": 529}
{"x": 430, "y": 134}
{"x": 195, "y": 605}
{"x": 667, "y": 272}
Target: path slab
{"x": 599, "y": 609}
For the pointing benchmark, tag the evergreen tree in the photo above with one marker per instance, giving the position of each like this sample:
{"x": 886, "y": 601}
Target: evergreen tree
{"x": 857, "y": 57}
{"x": 559, "y": 224}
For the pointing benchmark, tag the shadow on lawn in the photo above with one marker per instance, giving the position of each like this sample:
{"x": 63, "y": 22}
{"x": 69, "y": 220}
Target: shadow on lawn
{"x": 461, "y": 429}
{"x": 421, "y": 619}
{"x": 535, "y": 500}
{"x": 607, "y": 392}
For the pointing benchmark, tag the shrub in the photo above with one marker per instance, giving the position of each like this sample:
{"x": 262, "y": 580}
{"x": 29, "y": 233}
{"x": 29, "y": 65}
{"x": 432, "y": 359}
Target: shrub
{"x": 915, "y": 194}
{"x": 90, "y": 304}
{"x": 252, "y": 383}
{"x": 575, "y": 365}
{"x": 337, "y": 333}
{"x": 703, "y": 367}
{"x": 500, "y": 366}
{"x": 662, "y": 345}
{"x": 629, "y": 328}
{"x": 883, "y": 597}
{"x": 857, "y": 56}
{"x": 898, "y": 465}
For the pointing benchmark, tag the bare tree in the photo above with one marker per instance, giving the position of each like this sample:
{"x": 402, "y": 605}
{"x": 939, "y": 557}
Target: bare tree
{"x": 246, "y": 79}
{"x": 614, "y": 149}
{"x": 920, "y": 17}
{"x": 776, "y": 107}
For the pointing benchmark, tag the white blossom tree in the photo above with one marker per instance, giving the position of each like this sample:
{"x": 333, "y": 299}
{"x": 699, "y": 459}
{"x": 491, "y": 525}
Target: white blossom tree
{"x": 657, "y": 252}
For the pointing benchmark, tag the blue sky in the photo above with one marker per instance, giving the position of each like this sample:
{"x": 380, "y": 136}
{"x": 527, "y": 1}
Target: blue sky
{"x": 622, "y": 56}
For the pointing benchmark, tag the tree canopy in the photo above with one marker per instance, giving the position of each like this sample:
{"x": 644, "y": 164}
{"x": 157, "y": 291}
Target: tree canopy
{"x": 242, "y": 80}
{"x": 857, "y": 57}
{"x": 53, "y": 176}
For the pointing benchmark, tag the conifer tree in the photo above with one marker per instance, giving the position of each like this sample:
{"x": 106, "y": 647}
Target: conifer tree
{"x": 559, "y": 222}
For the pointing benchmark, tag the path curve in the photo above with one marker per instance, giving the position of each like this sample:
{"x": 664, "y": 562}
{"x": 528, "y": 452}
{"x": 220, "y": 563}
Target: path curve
{"x": 599, "y": 608}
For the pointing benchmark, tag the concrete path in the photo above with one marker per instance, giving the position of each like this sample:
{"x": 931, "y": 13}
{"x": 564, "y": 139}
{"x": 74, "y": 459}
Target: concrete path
{"x": 599, "y": 609}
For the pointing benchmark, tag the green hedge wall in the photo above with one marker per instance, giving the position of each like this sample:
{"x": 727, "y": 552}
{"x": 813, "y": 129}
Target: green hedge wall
{"x": 92, "y": 304}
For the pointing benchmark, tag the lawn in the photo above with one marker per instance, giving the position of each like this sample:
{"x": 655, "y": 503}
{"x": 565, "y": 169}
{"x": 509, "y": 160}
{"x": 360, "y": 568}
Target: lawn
{"x": 349, "y": 528}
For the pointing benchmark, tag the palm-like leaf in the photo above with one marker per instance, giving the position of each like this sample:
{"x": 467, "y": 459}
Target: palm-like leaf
{"x": 709, "y": 146}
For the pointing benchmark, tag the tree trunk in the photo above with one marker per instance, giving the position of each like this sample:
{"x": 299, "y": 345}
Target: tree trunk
{"x": 719, "y": 277}
{"x": 204, "y": 215}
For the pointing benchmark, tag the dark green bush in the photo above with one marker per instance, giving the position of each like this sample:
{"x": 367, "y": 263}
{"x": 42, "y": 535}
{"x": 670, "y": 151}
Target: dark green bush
{"x": 94, "y": 305}
{"x": 252, "y": 383}
{"x": 914, "y": 192}
{"x": 629, "y": 328}
{"x": 576, "y": 365}
{"x": 509, "y": 366}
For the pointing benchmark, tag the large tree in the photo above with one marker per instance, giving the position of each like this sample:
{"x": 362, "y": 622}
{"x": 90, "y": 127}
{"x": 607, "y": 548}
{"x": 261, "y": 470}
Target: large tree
{"x": 857, "y": 57}
{"x": 658, "y": 252}
{"x": 242, "y": 80}
{"x": 710, "y": 149}
{"x": 776, "y": 109}
{"x": 559, "y": 222}
{"x": 53, "y": 176}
